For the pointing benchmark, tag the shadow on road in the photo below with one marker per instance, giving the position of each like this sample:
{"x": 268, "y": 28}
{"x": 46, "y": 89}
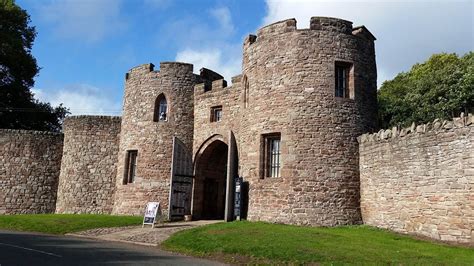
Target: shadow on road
{"x": 38, "y": 249}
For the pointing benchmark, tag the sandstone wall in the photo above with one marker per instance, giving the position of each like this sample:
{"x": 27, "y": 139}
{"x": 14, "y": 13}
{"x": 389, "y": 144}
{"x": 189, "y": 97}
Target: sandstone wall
{"x": 153, "y": 140}
{"x": 206, "y": 131}
{"x": 218, "y": 95}
{"x": 29, "y": 171}
{"x": 421, "y": 179}
{"x": 89, "y": 164}
{"x": 291, "y": 89}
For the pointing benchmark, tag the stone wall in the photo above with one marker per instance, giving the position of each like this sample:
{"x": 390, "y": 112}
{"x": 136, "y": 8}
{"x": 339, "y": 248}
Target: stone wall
{"x": 29, "y": 171}
{"x": 153, "y": 140}
{"x": 89, "y": 164}
{"x": 210, "y": 163}
{"x": 219, "y": 94}
{"x": 289, "y": 88}
{"x": 420, "y": 179}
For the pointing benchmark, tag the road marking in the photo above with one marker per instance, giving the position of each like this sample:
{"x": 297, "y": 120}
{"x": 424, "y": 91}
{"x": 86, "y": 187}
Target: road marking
{"x": 35, "y": 250}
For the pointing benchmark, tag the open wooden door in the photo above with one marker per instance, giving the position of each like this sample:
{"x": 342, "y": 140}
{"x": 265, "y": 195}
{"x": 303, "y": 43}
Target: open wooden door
{"x": 181, "y": 181}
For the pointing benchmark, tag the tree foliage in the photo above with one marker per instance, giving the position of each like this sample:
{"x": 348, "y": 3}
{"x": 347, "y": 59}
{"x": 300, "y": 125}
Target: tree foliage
{"x": 18, "y": 107}
{"x": 441, "y": 87}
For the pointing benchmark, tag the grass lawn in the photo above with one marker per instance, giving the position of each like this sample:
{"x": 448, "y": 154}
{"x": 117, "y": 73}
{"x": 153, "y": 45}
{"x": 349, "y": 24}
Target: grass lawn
{"x": 64, "y": 223}
{"x": 258, "y": 242}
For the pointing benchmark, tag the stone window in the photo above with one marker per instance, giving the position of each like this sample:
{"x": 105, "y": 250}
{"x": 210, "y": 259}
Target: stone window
{"x": 271, "y": 155}
{"x": 344, "y": 84}
{"x": 161, "y": 109}
{"x": 216, "y": 113}
{"x": 130, "y": 166}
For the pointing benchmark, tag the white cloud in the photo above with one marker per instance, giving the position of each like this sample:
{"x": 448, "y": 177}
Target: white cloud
{"x": 223, "y": 16}
{"x": 81, "y": 99}
{"x": 85, "y": 20}
{"x": 407, "y": 31}
{"x": 225, "y": 61}
{"x": 208, "y": 43}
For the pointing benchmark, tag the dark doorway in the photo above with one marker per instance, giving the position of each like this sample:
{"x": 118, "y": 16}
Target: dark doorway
{"x": 210, "y": 182}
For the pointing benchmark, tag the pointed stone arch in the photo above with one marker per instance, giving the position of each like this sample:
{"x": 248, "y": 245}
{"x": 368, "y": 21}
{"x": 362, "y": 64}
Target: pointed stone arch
{"x": 161, "y": 108}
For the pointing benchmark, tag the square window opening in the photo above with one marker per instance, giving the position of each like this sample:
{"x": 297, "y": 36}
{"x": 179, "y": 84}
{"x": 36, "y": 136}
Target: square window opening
{"x": 344, "y": 80}
{"x": 130, "y": 166}
{"x": 271, "y": 159}
{"x": 216, "y": 113}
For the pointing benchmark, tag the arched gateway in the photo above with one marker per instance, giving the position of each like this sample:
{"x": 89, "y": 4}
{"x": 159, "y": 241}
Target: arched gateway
{"x": 210, "y": 180}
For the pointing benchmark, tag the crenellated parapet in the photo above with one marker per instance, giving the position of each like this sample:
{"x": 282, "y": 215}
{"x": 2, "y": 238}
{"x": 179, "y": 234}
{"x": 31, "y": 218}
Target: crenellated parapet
{"x": 212, "y": 87}
{"x": 317, "y": 24}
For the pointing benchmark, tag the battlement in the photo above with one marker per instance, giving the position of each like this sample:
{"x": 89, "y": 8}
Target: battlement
{"x": 165, "y": 67}
{"x": 236, "y": 79}
{"x": 142, "y": 68}
{"x": 363, "y": 32}
{"x": 328, "y": 24}
{"x": 331, "y": 24}
{"x": 276, "y": 28}
{"x": 211, "y": 86}
{"x": 176, "y": 67}
{"x": 207, "y": 78}
{"x": 436, "y": 125}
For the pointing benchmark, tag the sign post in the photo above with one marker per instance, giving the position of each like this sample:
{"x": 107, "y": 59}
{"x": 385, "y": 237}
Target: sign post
{"x": 151, "y": 210}
{"x": 238, "y": 198}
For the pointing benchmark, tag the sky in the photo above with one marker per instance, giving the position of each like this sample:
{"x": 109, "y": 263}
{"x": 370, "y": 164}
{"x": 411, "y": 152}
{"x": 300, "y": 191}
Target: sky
{"x": 85, "y": 47}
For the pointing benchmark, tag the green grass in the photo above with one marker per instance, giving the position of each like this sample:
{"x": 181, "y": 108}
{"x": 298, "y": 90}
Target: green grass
{"x": 64, "y": 223}
{"x": 275, "y": 243}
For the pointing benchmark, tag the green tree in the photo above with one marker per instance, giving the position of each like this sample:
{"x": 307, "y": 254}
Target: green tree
{"x": 18, "y": 108}
{"x": 441, "y": 87}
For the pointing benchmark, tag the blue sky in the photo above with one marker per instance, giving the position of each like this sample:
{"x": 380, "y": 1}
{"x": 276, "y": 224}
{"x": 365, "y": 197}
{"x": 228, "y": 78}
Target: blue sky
{"x": 85, "y": 47}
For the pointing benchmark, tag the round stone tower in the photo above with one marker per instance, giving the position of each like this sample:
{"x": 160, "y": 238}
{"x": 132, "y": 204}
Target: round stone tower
{"x": 88, "y": 165}
{"x": 158, "y": 105}
{"x": 315, "y": 91}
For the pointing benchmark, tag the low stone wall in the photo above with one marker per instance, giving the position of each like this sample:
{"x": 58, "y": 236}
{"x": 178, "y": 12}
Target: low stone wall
{"x": 420, "y": 180}
{"x": 29, "y": 170}
{"x": 89, "y": 164}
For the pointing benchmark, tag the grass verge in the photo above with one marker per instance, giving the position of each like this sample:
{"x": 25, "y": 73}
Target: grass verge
{"x": 64, "y": 223}
{"x": 258, "y": 242}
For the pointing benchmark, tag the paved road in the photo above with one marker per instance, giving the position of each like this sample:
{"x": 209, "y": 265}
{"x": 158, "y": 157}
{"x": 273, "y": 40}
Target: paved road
{"x": 39, "y": 249}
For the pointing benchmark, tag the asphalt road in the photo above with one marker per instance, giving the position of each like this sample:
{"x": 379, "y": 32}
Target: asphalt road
{"x": 18, "y": 248}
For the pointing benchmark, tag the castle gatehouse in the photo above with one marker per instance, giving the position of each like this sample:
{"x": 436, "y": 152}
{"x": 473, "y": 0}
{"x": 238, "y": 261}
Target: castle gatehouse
{"x": 286, "y": 128}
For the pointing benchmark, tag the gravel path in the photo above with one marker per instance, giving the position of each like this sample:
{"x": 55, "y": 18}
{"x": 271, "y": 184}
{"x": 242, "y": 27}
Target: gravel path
{"x": 141, "y": 235}
{"x": 105, "y": 231}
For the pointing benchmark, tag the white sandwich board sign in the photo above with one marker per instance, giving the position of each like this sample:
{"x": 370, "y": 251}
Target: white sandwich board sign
{"x": 151, "y": 211}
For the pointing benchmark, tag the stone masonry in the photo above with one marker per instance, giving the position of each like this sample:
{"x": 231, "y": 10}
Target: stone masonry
{"x": 290, "y": 75}
{"x": 89, "y": 164}
{"x": 29, "y": 170}
{"x": 420, "y": 180}
{"x": 193, "y": 136}
{"x": 153, "y": 139}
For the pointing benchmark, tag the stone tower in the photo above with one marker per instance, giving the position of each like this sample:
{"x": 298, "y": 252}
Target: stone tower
{"x": 158, "y": 105}
{"x": 290, "y": 80}
{"x": 158, "y": 117}
{"x": 88, "y": 165}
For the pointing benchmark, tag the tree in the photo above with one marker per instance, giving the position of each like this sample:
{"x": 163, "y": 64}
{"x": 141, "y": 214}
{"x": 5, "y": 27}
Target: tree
{"x": 18, "y": 108}
{"x": 441, "y": 87}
